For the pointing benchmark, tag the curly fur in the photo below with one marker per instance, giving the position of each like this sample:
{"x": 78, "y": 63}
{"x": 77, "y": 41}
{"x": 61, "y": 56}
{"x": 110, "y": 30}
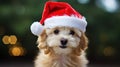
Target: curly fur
{"x": 51, "y": 55}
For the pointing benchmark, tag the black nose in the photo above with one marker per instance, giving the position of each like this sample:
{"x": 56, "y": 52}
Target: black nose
{"x": 63, "y": 41}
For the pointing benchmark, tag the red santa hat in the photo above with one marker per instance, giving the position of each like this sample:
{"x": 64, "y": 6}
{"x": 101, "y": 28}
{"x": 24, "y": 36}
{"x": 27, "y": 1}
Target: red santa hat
{"x": 59, "y": 14}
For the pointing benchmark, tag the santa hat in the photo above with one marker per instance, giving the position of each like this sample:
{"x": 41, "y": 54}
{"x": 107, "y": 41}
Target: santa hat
{"x": 57, "y": 14}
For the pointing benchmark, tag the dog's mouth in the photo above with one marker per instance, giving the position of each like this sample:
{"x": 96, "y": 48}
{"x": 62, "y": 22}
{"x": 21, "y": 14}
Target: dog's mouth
{"x": 63, "y": 46}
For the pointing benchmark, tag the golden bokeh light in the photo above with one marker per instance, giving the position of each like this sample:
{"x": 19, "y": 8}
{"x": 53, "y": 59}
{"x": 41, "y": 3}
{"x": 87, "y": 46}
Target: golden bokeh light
{"x": 17, "y": 51}
{"x": 13, "y": 39}
{"x": 109, "y": 51}
{"x": 5, "y": 39}
{"x": 9, "y": 39}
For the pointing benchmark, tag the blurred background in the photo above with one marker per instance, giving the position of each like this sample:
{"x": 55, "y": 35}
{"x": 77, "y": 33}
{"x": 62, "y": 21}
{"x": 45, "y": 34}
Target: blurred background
{"x": 18, "y": 46}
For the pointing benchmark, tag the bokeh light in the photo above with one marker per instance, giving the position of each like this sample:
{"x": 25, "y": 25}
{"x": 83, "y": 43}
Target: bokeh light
{"x": 108, "y": 5}
{"x": 12, "y": 39}
{"x": 5, "y": 39}
{"x": 109, "y": 51}
{"x": 16, "y": 51}
{"x": 9, "y": 39}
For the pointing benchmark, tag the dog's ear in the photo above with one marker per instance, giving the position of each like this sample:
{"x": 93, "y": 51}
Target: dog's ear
{"x": 83, "y": 42}
{"x": 82, "y": 45}
{"x": 42, "y": 42}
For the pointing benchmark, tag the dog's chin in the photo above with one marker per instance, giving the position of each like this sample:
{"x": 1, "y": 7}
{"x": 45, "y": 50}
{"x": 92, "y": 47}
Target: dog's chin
{"x": 62, "y": 50}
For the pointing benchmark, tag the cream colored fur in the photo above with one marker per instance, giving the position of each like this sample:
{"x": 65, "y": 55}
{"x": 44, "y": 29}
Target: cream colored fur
{"x": 52, "y": 55}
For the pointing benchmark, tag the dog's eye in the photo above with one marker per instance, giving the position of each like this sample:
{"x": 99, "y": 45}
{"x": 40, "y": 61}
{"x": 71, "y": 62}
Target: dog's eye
{"x": 56, "y": 31}
{"x": 72, "y": 32}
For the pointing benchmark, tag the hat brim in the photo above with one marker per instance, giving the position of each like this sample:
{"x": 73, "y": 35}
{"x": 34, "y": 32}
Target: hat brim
{"x": 69, "y": 21}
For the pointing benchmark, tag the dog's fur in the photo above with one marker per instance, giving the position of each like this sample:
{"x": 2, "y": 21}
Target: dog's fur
{"x": 52, "y": 55}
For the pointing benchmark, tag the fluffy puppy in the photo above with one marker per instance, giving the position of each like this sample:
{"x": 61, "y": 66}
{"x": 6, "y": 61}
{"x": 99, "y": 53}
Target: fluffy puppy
{"x": 62, "y": 47}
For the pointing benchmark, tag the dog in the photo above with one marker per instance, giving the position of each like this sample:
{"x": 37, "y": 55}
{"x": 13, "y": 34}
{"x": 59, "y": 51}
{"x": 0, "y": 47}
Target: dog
{"x": 62, "y": 47}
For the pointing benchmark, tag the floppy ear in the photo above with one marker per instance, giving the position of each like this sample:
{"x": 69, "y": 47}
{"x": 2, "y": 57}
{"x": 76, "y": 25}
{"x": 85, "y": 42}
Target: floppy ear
{"x": 83, "y": 42}
{"x": 42, "y": 42}
{"x": 82, "y": 45}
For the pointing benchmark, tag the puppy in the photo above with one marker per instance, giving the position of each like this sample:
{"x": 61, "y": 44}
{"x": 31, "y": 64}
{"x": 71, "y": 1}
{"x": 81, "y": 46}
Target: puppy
{"x": 62, "y": 47}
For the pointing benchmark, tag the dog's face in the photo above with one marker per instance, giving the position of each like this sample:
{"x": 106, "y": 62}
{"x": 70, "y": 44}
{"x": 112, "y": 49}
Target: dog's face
{"x": 62, "y": 40}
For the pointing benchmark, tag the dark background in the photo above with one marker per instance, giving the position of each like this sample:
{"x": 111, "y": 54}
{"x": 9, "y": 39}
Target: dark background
{"x": 103, "y": 30}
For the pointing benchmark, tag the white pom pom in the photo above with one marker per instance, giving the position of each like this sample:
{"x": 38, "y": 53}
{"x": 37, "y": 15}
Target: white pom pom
{"x": 36, "y": 28}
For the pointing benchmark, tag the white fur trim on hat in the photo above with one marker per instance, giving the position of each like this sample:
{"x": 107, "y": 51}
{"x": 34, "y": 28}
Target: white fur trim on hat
{"x": 36, "y": 28}
{"x": 70, "y": 21}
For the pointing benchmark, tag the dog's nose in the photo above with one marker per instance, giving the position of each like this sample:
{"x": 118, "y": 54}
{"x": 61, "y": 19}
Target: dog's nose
{"x": 63, "y": 41}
